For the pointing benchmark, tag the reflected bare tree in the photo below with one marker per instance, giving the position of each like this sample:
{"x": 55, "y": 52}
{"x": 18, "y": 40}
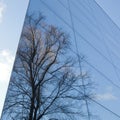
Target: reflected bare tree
{"x": 44, "y": 84}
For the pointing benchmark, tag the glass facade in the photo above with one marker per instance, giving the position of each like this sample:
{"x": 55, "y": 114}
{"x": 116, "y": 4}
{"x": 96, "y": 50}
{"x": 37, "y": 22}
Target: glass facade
{"x": 64, "y": 50}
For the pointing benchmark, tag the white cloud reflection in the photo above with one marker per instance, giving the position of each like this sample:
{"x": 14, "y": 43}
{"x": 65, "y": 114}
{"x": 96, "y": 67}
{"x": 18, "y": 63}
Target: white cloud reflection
{"x": 105, "y": 97}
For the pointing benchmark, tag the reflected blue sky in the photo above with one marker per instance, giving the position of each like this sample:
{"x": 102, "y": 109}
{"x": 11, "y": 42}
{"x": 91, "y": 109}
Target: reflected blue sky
{"x": 97, "y": 39}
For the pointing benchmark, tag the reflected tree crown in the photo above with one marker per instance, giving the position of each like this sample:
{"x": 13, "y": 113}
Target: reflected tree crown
{"x": 44, "y": 84}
